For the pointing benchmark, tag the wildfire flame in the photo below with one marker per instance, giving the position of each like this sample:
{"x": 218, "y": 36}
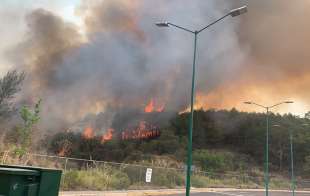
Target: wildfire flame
{"x": 143, "y": 131}
{"x": 65, "y": 148}
{"x": 107, "y": 136}
{"x": 88, "y": 133}
{"x": 62, "y": 152}
{"x": 150, "y": 107}
{"x": 160, "y": 109}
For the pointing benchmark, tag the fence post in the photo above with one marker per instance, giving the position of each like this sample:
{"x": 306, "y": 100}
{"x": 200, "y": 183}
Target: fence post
{"x": 64, "y": 173}
{"x": 140, "y": 178}
{"x": 3, "y": 157}
{"x": 65, "y": 169}
{"x": 27, "y": 158}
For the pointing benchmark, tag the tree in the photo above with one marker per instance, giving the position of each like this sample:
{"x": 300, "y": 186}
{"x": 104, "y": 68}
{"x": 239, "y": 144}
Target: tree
{"x": 30, "y": 118}
{"x": 9, "y": 86}
{"x": 306, "y": 168}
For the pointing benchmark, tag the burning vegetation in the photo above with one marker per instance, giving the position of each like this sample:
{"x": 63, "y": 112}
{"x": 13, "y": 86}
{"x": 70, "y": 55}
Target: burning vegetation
{"x": 132, "y": 125}
{"x": 143, "y": 131}
{"x": 107, "y": 136}
{"x": 88, "y": 133}
{"x": 150, "y": 107}
{"x": 130, "y": 142}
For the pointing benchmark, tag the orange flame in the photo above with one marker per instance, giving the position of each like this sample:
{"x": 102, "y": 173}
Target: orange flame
{"x": 160, "y": 109}
{"x": 62, "y": 152}
{"x": 107, "y": 136}
{"x": 149, "y": 107}
{"x": 143, "y": 131}
{"x": 88, "y": 133}
{"x": 142, "y": 125}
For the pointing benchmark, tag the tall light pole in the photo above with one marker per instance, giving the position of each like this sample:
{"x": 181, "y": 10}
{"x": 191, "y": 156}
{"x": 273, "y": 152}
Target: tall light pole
{"x": 292, "y": 163}
{"x": 291, "y": 158}
{"x": 233, "y": 13}
{"x": 267, "y": 108}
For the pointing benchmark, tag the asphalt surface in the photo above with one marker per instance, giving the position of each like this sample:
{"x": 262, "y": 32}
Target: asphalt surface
{"x": 244, "y": 193}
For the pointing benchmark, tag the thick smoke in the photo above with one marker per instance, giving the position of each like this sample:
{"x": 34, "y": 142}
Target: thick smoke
{"x": 50, "y": 40}
{"x": 124, "y": 60}
{"x": 274, "y": 36}
{"x": 276, "y": 33}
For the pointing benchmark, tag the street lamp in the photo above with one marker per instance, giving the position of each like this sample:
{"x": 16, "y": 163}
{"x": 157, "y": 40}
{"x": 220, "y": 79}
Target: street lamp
{"x": 267, "y": 139}
{"x": 233, "y": 13}
{"x": 292, "y": 159}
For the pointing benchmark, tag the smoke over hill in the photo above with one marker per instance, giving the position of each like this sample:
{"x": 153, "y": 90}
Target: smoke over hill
{"x": 124, "y": 61}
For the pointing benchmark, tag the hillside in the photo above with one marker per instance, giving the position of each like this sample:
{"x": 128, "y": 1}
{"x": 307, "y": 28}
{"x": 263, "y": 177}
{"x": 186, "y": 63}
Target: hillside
{"x": 222, "y": 141}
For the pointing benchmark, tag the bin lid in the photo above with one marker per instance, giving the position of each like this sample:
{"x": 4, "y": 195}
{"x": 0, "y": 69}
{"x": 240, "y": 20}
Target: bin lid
{"x": 30, "y": 167}
{"x": 18, "y": 171}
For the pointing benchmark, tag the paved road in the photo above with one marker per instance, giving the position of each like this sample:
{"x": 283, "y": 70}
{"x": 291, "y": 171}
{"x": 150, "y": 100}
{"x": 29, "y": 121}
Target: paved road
{"x": 244, "y": 193}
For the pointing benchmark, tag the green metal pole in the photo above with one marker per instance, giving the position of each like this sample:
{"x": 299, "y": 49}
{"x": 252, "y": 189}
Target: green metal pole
{"x": 190, "y": 128}
{"x": 292, "y": 164}
{"x": 267, "y": 154}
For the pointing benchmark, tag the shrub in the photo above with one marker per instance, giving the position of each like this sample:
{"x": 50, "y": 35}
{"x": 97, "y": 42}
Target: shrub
{"x": 134, "y": 173}
{"x": 160, "y": 179}
{"x": 175, "y": 178}
{"x": 95, "y": 179}
{"x": 199, "y": 181}
{"x": 210, "y": 161}
{"x": 119, "y": 181}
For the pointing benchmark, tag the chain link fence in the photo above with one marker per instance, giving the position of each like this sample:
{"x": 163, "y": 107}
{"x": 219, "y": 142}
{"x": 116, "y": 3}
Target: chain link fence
{"x": 83, "y": 174}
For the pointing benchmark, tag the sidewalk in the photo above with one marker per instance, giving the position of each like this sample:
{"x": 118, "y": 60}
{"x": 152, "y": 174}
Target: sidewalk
{"x": 121, "y": 193}
{"x": 129, "y": 192}
{"x": 157, "y": 192}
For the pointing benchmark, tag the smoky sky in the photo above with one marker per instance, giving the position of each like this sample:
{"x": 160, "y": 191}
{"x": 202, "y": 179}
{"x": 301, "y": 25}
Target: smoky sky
{"x": 275, "y": 36}
{"x": 277, "y": 33}
{"x": 124, "y": 60}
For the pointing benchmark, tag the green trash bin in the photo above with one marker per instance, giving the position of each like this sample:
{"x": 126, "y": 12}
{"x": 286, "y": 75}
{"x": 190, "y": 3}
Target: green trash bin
{"x": 16, "y": 181}
{"x": 47, "y": 180}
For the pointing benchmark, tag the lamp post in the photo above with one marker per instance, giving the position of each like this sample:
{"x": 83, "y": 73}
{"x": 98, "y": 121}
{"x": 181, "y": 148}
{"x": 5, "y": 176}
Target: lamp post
{"x": 293, "y": 181}
{"x": 233, "y": 13}
{"x": 292, "y": 163}
{"x": 267, "y": 108}
{"x": 291, "y": 158}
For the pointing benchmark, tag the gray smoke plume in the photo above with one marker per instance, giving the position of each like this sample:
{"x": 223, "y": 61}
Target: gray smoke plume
{"x": 274, "y": 36}
{"x": 126, "y": 61}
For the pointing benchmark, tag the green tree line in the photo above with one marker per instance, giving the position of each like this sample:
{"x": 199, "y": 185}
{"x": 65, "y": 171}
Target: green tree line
{"x": 223, "y": 140}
